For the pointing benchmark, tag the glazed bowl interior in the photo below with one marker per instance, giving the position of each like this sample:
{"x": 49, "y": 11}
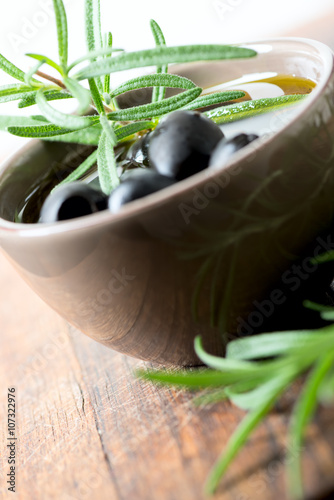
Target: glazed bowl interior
{"x": 147, "y": 280}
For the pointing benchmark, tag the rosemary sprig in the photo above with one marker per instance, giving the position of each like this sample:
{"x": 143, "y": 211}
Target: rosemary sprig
{"x": 101, "y": 61}
{"x": 256, "y": 371}
{"x": 108, "y": 128}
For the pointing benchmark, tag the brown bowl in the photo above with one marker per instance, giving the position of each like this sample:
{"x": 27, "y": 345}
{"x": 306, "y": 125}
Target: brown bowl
{"x": 191, "y": 259}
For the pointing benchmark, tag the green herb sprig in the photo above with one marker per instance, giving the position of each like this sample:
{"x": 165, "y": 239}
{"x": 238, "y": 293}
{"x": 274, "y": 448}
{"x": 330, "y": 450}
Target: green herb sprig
{"x": 255, "y": 372}
{"x": 111, "y": 125}
{"x": 252, "y": 384}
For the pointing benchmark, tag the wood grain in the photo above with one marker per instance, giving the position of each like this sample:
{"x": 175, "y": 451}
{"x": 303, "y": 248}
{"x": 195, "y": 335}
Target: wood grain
{"x": 89, "y": 429}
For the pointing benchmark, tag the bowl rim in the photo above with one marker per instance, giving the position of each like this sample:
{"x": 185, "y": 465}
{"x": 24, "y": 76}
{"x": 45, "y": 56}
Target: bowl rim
{"x": 154, "y": 200}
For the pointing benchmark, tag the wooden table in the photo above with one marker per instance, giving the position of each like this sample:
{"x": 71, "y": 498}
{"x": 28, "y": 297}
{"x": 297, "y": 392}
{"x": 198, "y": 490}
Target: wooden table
{"x": 89, "y": 429}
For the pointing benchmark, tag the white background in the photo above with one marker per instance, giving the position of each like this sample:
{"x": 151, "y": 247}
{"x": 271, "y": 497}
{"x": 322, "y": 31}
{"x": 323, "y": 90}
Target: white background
{"x": 28, "y": 26}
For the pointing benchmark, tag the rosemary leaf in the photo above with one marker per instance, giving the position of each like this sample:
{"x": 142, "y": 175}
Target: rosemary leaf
{"x": 50, "y": 95}
{"x": 155, "y": 109}
{"x": 109, "y": 131}
{"x": 106, "y": 83}
{"x": 29, "y": 75}
{"x": 61, "y": 119}
{"x": 93, "y": 25}
{"x": 129, "y": 130}
{"x": 163, "y": 55}
{"x": 61, "y": 21}
{"x": 274, "y": 388}
{"x": 93, "y": 55}
{"x": 158, "y": 35}
{"x": 7, "y": 121}
{"x": 326, "y": 312}
{"x": 270, "y": 344}
{"x": 12, "y": 70}
{"x": 250, "y": 399}
{"x": 47, "y": 60}
{"x": 158, "y": 93}
{"x": 192, "y": 379}
{"x": 96, "y": 96}
{"x": 80, "y": 93}
{"x": 14, "y": 88}
{"x": 14, "y": 94}
{"x": 93, "y": 32}
{"x": 155, "y": 80}
{"x": 325, "y": 257}
{"x": 81, "y": 170}
{"x": 325, "y": 393}
{"x": 247, "y": 109}
{"x": 107, "y": 127}
{"x": 106, "y": 165}
{"x": 328, "y": 315}
{"x": 224, "y": 364}
{"x": 38, "y": 131}
{"x": 316, "y": 307}
{"x": 39, "y": 118}
{"x": 89, "y": 136}
{"x": 216, "y": 98}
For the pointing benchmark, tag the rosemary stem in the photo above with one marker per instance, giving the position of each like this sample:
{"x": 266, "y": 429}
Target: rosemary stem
{"x": 51, "y": 79}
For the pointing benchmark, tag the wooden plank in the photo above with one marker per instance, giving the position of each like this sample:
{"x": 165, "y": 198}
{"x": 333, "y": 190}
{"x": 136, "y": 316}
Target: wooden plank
{"x": 89, "y": 429}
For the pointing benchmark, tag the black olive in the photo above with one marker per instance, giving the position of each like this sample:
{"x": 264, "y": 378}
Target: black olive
{"x": 72, "y": 200}
{"x": 137, "y": 184}
{"x": 182, "y": 143}
{"x": 226, "y": 148}
{"x": 138, "y": 152}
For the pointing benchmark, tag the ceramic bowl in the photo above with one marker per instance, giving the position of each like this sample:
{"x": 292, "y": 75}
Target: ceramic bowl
{"x": 193, "y": 258}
